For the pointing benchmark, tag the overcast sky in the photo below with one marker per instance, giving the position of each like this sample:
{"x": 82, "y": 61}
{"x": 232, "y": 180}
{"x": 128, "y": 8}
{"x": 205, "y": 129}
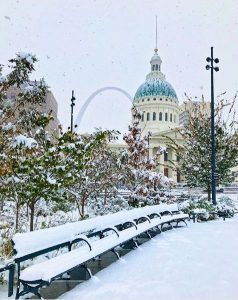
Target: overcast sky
{"x": 89, "y": 44}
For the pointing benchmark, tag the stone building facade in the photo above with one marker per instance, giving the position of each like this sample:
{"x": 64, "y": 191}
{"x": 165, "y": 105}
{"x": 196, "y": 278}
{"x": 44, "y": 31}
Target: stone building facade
{"x": 50, "y": 104}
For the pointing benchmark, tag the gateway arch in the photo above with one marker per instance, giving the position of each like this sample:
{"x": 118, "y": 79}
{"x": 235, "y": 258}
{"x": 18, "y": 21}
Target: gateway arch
{"x": 91, "y": 97}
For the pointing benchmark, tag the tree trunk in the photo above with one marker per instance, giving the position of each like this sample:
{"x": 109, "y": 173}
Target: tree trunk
{"x": 32, "y": 213}
{"x": 209, "y": 193}
{"x": 82, "y": 207}
{"x": 17, "y": 216}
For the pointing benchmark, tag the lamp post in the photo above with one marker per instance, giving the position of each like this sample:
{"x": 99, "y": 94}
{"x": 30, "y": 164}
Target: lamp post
{"x": 213, "y": 142}
{"x": 72, "y": 110}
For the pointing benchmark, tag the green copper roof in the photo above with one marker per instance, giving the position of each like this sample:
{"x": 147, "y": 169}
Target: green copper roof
{"x": 155, "y": 87}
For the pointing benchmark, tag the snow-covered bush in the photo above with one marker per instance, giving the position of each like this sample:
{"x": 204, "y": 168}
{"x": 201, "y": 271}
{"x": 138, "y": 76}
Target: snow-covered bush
{"x": 102, "y": 206}
{"x": 205, "y": 210}
{"x": 226, "y": 205}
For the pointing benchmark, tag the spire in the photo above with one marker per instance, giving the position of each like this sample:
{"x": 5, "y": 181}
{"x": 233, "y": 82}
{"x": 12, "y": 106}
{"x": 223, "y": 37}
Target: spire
{"x": 156, "y": 60}
{"x": 156, "y": 35}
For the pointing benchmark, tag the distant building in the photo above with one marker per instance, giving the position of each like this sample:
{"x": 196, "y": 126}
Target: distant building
{"x": 234, "y": 173}
{"x": 50, "y": 104}
{"x": 162, "y": 115}
{"x": 191, "y": 108}
{"x": 158, "y": 101}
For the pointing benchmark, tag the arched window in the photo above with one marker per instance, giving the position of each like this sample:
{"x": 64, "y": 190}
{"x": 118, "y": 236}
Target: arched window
{"x": 171, "y": 118}
{"x": 159, "y": 67}
{"x": 174, "y": 118}
{"x": 154, "y": 116}
{"x": 148, "y": 116}
{"x": 142, "y": 118}
{"x": 160, "y": 116}
{"x": 153, "y": 67}
{"x": 156, "y": 67}
{"x": 166, "y": 116}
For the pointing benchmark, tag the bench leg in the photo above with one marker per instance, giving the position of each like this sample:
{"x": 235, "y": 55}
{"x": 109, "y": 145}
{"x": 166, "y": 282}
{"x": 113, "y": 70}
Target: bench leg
{"x": 17, "y": 292}
{"x": 148, "y": 234}
{"x": 184, "y": 222}
{"x": 135, "y": 243}
{"x": 159, "y": 229}
{"x": 30, "y": 289}
{"x": 87, "y": 270}
{"x": 178, "y": 221}
{"x": 18, "y": 281}
{"x": 116, "y": 253}
{"x": 170, "y": 224}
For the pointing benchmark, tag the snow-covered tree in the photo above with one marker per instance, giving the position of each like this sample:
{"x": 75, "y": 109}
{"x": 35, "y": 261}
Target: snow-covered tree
{"x": 195, "y": 154}
{"x": 142, "y": 178}
{"x": 17, "y": 120}
{"x": 97, "y": 181}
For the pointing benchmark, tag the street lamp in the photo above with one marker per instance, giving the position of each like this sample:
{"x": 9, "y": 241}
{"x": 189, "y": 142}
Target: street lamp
{"x": 213, "y": 152}
{"x": 72, "y": 110}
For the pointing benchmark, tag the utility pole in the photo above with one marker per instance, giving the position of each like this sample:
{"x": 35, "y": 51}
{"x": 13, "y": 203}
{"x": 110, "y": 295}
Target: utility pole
{"x": 213, "y": 141}
{"x": 72, "y": 110}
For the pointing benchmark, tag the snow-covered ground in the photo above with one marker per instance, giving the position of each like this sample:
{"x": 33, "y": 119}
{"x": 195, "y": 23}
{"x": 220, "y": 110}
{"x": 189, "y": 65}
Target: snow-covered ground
{"x": 197, "y": 262}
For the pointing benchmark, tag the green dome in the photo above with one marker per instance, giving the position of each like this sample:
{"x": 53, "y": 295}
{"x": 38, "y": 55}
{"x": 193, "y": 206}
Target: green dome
{"x": 155, "y": 87}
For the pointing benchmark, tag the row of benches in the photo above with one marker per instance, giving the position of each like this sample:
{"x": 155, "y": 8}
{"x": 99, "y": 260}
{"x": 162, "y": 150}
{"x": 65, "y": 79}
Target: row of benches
{"x": 79, "y": 249}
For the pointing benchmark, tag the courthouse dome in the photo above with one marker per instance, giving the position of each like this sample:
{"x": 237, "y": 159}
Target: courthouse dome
{"x": 155, "y": 84}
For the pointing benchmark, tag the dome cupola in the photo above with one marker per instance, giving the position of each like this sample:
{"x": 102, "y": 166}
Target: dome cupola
{"x": 155, "y": 62}
{"x": 155, "y": 84}
{"x": 157, "y": 100}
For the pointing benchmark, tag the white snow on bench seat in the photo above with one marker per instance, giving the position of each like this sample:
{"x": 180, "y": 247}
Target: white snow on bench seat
{"x": 30, "y": 242}
{"x": 49, "y": 269}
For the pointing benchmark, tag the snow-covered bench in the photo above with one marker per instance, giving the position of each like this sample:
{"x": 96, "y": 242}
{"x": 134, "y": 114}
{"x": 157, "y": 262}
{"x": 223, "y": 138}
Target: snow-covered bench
{"x": 94, "y": 237}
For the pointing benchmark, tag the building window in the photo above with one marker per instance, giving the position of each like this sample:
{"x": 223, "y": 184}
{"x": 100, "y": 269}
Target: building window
{"x": 154, "y": 116}
{"x": 142, "y": 100}
{"x": 166, "y": 116}
{"x": 165, "y": 156}
{"x": 156, "y": 67}
{"x": 148, "y": 117}
{"x": 154, "y": 99}
{"x": 166, "y": 172}
{"x": 142, "y": 117}
{"x": 159, "y": 67}
{"x": 153, "y": 67}
{"x": 174, "y": 118}
{"x": 171, "y": 118}
{"x": 148, "y": 99}
{"x": 160, "y": 99}
{"x": 160, "y": 116}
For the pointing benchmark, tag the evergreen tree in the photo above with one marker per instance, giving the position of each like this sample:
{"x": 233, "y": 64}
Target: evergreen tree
{"x": 143, "y": 180}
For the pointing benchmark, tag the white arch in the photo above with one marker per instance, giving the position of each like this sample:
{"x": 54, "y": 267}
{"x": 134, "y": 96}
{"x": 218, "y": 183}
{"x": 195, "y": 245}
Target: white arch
{"x": 90, "y": 98}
